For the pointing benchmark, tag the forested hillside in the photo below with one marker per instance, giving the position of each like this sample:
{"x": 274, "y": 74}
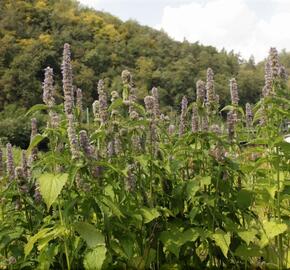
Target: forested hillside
{"x": 32, "y": 34}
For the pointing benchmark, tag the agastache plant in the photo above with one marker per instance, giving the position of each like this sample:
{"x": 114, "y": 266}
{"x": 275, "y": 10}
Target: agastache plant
{"x": 79, "y": 100}
{"x": 234, "y": 92}
{"x": 67, "y": 80}
{"x": 200, "y": 92}
{"x": 103, "y": 103}
{"x": 194, "y": 119}
{"x": 249, "y": 115}
{"x": 210, "y": 91}
{"x": 72, "y": 136}
{"x": 1, "y": 163}
{"x": 34, "y": 152}
{"x": 182, "y": 120}
{"x": 10, "y": 162}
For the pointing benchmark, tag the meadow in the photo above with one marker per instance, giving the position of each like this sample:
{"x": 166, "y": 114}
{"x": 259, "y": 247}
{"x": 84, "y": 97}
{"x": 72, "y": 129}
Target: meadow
{"x": 129, "y": 185}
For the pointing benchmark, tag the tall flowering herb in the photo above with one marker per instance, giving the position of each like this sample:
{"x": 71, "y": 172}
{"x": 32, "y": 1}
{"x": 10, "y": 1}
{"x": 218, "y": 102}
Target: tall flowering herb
{"x": 131, "y": 178}
{"x": 95, "y": 107}
{"x": 103, "y": 104}
{"x": 48, "y": 88}
{"x": 156, "y": 109}
{"x": 274, "y": 62}
{"x": 182, "y": 121}
{"x": 231, "y": 124}
{"x": 24, "y": 164}
{"x": 204, "y": 123}
{"x": 249, "y": 115}
{"x": 268, "y": 80}
{"x": 10, "y": 162}
{"x": 87, "y": 148}
{"x": 1, "y": 163}
{"x": 210, "y": 91}
{"x": 48, "y": 97}
{"x": 73, "y": 139}
{"x": 149, "y": 105}
{"x": 200, "y": 92}
{"x": 127, "y": 80}
{"x": 79, "y": 100}
{"x": 114, "y": 97}
{"x": 34, "y": 132}
{"x": 171, "y": 129}
{"x": 234, "y": 92}
{"x": 194, "y": 119}
{"x": 67, "y": 80}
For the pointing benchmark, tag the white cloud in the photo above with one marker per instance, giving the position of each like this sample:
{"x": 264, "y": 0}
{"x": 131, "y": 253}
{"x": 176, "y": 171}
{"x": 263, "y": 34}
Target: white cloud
{"x": 230, "y": 24}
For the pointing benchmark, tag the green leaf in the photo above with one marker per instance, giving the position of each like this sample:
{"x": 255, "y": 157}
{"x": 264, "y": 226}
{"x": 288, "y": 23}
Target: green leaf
{"x": 244, "y": 198}
{"x": 95, "y": 258}
{"x": 173, "y": 240}
{"x": 35, "y": 108}
{"x": 228, "y": 108}
{"x": 206, "y": 180}
{"x": 248, "y": 235}
{"x": 273, "y": 228}
{"x": 116, "y": 104}
{"x": 192, "y": 187}
{"x": 35, "y": 141}
{"x": 223, "y": 240}
{"x": 50, "y": 186}
{"x": 33, "y": 239}
{"x": 248, "y": 252}
{"x": 90, "y": 234}
{"x": 149, "y": 214}
{"x": 106, "y": 201}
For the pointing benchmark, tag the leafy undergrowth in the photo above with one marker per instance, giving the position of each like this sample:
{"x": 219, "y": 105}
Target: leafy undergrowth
{"x": 129, "y": 190}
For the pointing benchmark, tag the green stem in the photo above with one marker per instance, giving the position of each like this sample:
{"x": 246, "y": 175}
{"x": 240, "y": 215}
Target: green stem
{"x": 65, "y": 242}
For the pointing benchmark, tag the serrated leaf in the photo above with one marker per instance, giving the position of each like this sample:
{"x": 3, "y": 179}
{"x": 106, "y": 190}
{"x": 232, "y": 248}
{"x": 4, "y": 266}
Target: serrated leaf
{"x": 248, "y": 235}
{"x": 33, "y": 239}
{"x": 50, "y": 186}
{"x": 149, "y": 214}
{"x": 95, "y": 258}
{"x": 223, "y": 240}
{"x": 90, "y": 234}
{"x": 173, "y": 240}
{"x": 273, "y": 228}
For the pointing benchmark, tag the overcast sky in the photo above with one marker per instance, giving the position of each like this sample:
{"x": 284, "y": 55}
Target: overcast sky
{"x": 249, "y": 27}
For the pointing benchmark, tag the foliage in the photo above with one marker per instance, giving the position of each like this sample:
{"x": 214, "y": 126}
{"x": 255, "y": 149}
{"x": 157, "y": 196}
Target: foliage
{"x": 135, "y": 195}
{"x": 31, "y": 33}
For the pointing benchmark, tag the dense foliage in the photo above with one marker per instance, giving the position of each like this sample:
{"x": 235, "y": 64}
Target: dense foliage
{"x": 135, "y": 189}
{"x": 31, "y": 33}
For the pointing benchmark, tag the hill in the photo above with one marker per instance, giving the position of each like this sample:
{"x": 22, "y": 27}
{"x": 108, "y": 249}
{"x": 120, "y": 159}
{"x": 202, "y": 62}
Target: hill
{"x": 32, "y": 35}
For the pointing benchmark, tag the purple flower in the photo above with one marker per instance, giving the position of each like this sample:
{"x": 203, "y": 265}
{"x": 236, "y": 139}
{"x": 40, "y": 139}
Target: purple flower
{"x": 103, "y": 104}
{"x": 200, "y": 92}
{"x": 194, "y": 119}
{"x": 87, "y": 148}
{"x": 10, "y": 162}
{"x": 73, "y": 139}
{"x": 182, "y": 123}
{"x": 149, "y": 104}
{"x": 67, "y": 79}
{"x": 79, "y": 102}
{"x": 234, "y": 92}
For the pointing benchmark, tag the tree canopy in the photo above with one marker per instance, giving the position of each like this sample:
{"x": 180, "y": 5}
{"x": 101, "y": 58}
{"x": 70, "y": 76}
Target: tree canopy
{"x": 33, "y": 32}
